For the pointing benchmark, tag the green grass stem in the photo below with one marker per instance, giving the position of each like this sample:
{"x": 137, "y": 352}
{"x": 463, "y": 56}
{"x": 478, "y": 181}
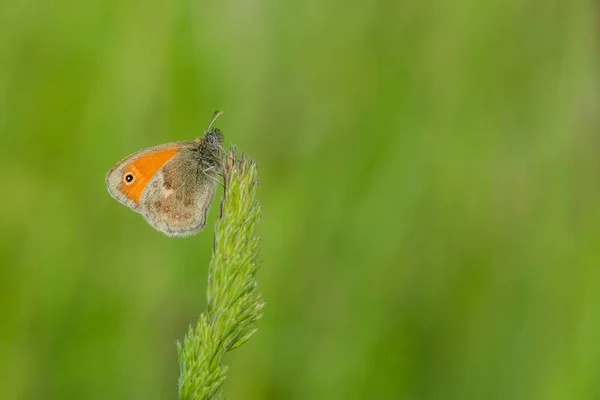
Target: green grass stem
{"x": 234, "y": 303}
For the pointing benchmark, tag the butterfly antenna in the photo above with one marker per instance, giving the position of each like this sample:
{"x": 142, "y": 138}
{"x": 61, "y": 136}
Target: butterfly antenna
{"x": 213, "y": 119}
{"x": 216, "y": 133}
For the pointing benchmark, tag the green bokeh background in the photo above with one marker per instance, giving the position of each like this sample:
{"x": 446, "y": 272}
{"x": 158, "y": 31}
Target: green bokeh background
{"x": 429, "y": 176}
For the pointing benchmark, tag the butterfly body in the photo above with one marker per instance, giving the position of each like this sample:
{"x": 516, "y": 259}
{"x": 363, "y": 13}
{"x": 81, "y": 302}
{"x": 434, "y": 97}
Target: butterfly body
{"x": 171, "y": 185}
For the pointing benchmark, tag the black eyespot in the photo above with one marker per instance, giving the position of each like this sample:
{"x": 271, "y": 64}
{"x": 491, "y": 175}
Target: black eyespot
{"x": 129, "y": 178}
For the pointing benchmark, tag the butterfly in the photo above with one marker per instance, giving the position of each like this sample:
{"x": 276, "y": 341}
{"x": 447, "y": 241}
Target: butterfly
{"x": 171, "y": 185}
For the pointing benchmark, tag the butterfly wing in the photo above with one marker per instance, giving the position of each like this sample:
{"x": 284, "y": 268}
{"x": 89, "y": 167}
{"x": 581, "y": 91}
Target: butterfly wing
{"x": 171, "y": 185}
{"x": 127, "y": 180}
{"x": 177, "y": 198}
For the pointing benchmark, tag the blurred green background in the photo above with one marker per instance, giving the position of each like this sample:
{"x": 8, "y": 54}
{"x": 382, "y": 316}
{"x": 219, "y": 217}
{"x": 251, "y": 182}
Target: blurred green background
{"x": 430, "y": 182}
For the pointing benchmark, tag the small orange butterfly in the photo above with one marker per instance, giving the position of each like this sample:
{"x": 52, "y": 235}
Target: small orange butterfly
{"x": 171, "y": 185}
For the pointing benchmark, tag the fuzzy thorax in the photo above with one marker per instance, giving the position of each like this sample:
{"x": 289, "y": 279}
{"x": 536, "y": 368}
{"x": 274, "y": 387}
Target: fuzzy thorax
{"x": 209, "y": 151}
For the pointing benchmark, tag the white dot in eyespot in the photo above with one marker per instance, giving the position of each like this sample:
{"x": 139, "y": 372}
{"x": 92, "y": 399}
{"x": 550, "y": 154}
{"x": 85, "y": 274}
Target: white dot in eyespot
{"x": 128, "y": 178}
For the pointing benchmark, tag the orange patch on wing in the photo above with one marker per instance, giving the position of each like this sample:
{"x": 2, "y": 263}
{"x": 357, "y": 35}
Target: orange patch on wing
{"x": 143, "y": 169}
